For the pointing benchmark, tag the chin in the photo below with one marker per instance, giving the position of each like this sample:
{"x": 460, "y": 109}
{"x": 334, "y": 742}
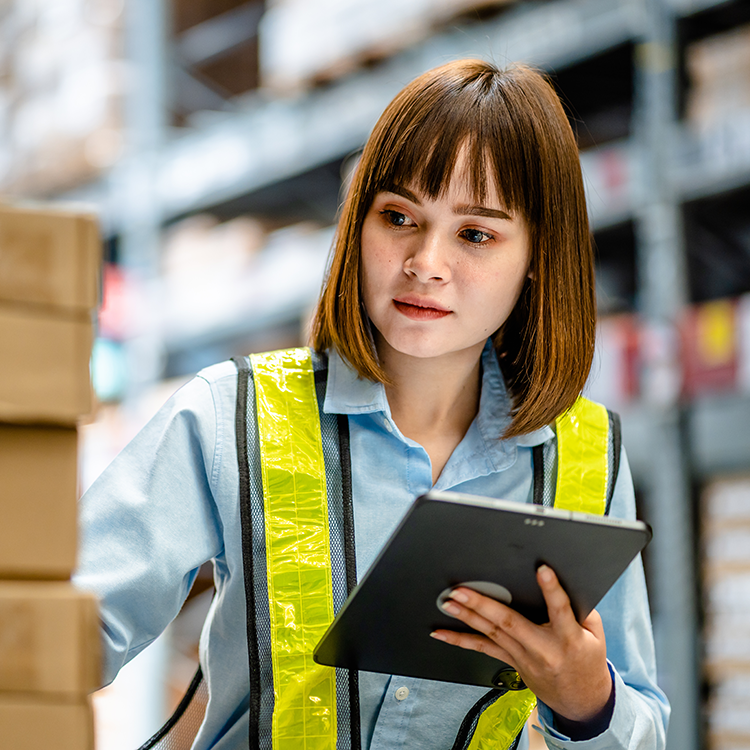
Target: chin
{"x": 425, "y": 348}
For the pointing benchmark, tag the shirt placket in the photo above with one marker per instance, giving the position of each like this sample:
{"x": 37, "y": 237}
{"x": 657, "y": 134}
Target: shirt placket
{"x": 392, "y": 726}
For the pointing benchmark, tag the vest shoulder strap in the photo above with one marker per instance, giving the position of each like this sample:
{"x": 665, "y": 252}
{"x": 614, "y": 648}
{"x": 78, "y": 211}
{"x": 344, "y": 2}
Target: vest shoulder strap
{"x": 578, "y": 468}
{"x": 298, "y": 551}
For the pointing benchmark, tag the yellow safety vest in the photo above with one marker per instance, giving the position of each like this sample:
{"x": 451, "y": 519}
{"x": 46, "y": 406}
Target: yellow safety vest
{"x": 298, "y": 542}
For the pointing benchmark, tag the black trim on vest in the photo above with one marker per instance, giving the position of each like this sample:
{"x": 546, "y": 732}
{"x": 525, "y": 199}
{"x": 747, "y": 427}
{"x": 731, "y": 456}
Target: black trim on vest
{"x": 346, "y": 483}
{"x": 615, "y": 431}
{"x": 178, "y": 712}
{"x": 345, "y": 459}
{"x": 469, "y": 724}
{"x": 240, "y": 425}
{"x": 537, "y": 463}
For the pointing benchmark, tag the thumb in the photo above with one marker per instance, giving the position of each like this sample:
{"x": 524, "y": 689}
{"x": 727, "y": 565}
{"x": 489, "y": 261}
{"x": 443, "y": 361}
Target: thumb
{"x": 593, "y": 623}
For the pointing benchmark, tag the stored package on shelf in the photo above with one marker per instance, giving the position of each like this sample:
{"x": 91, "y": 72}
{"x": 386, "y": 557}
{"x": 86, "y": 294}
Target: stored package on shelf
{"x": 710, "y": 348}
{"x": 30, "y": 723}
{"x": 231, "y": 279}
{"x": 38, "y": 494}
{"x": 50, "y": 640}
{"x": 61, "y": 93}
{"x": 743, "y": 354}
{"x": 714, "y": 352}
{"x": 614, "y": 373}
{"x": 302, "y": 42}
{"x": 719, "y": 71}
{"x": 725, "y": 532}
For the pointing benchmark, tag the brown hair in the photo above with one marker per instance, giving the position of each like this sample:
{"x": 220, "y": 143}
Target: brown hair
{"x": 513, "y": 121}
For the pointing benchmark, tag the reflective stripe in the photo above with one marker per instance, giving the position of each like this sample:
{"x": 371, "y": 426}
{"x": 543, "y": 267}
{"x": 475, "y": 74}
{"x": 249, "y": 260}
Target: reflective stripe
{"x": 297, "y": 549}
{"x": 582, "y": 466}
{"x": 501, "y": 722}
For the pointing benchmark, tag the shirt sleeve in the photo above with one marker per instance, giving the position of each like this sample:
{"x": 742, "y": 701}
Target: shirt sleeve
{"x": 148, "y": 523}
{"x": 641, "y": 710}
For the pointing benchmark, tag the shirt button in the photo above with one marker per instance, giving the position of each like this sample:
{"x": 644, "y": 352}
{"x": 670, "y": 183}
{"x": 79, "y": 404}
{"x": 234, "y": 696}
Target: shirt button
{"x": 387, "y": 425}
{"x": 402, "y": 693}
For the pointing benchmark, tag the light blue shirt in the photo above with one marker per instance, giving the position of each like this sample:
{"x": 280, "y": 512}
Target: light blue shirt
{"x": 170, "y": 501}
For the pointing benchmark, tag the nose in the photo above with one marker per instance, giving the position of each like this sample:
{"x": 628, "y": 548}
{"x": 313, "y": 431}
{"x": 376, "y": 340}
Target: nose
{"x": 427, "y": 259}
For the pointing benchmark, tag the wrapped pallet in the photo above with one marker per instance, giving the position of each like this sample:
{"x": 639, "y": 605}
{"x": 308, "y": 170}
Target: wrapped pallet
{"x": 304, "y": 42}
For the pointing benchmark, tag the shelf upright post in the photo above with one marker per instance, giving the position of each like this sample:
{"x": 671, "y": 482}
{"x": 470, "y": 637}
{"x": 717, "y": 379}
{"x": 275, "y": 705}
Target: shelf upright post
{"x": 662, "y": 294}
{"x": 145, "y": 115}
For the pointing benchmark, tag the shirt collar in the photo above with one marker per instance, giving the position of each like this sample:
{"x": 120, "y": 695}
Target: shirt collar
{"x": 348, "y": 393}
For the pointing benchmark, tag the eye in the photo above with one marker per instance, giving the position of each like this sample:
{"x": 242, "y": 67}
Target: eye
{"x": 475, "y": 236}
{"x": 396, "y": 218}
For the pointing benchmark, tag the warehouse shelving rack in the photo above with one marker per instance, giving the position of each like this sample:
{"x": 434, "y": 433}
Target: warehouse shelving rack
{"x": 268, "y": 151}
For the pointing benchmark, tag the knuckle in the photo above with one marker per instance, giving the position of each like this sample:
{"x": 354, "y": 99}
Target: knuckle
{"x": 494, "y": 633}
{"x": 482, "y": 646}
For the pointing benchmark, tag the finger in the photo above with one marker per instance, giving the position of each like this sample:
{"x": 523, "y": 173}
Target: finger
{"x": 561, "y": 615}
{"x": 499, "y": 623}
{"x": 593, "y": 623}
{"x": 474, "y": 642}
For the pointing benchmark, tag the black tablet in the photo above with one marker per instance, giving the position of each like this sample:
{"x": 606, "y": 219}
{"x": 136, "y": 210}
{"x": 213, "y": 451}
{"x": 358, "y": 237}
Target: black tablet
{"x": 448, "y": 539}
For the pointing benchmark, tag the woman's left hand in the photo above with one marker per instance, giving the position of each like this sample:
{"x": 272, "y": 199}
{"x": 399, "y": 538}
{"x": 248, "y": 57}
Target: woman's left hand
{"x": 564, "y": 663}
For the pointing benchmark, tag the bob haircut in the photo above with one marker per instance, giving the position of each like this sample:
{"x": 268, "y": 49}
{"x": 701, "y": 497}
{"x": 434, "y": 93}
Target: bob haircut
{"x": 515, "y": 133}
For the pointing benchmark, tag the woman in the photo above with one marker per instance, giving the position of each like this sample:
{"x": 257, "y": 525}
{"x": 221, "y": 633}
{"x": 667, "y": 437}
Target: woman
{"x": 458, "y": 323}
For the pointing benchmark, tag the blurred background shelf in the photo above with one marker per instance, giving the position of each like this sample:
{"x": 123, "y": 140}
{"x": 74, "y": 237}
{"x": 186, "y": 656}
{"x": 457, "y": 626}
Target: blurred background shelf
{"x": 214, "y": 139}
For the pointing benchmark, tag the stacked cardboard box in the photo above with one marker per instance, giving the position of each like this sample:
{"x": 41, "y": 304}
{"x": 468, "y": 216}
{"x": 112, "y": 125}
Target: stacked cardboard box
{"x": 726, "y": 580}
{"x": 49, "y": 268}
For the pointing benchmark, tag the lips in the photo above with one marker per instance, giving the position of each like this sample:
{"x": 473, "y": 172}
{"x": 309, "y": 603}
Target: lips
{"x": 416, "y": 309}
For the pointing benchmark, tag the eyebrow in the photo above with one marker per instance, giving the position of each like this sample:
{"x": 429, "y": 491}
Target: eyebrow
{"x": 461, "y": 210}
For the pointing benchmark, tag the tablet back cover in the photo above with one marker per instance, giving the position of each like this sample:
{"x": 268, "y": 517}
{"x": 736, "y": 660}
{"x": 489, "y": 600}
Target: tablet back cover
{"x": 385, "y": 624}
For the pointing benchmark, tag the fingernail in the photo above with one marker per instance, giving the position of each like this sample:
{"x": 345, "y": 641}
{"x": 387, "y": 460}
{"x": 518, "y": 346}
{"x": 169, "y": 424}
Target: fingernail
{"x": 459, "y": 596}
{"x": 451, "y": 608}
{"x": 437, "y": 636}
{"x": 545, "y": 573}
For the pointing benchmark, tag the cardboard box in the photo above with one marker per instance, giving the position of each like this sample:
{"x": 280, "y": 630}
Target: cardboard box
{"x": 44, "y": 368}
{"x": 49, "y": 258}
{"x": 725, "y": 503}
{"x": 38, "y": 501}
{"x": 26, "y": 724}
{"x": 49, "y": 640}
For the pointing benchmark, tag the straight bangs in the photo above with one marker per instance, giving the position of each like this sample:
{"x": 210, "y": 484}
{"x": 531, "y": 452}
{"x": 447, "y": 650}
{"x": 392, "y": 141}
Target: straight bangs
{"x": 459, "y": 117}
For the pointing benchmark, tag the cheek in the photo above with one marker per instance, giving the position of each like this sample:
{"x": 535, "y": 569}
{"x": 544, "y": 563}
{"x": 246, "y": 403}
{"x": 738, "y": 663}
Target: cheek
{"x": 374, "y": 269}
{"x": 501, "y": 290}
{"x": 378, "y": 259}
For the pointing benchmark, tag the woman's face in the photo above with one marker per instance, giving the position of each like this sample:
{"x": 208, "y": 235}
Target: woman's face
{"x": 440, "y": 276}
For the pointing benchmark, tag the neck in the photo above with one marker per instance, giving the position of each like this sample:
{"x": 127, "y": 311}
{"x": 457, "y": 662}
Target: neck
{"x": 433, "y": 400}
